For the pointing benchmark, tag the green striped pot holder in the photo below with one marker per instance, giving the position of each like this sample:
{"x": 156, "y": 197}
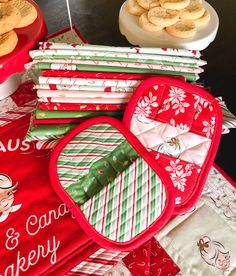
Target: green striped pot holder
{"x": 106, "y": 177}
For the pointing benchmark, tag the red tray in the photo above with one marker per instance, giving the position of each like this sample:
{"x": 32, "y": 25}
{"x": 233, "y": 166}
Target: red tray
{"x": 27, "y": 39}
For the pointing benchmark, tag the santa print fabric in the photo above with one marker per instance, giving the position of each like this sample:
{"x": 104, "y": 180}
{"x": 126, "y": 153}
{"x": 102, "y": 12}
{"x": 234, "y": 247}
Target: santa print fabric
{"x": 38, "y": 233}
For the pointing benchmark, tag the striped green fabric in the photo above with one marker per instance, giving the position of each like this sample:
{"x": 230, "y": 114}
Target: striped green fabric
{"x": 128, "y": 205}
{"x": 118, "y": 192}
{"x": 102, "y": 172}
{"x": 82, "y": 151}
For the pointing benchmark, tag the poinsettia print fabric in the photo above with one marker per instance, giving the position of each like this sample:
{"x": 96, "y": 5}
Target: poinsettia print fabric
{"x": 177, "y": 126}
{"x": 175, "y": 106}
{"x": 182, "y": 175}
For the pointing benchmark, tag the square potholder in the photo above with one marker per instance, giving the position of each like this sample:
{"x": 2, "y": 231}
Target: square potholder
{"x": 119, "y": 195}
{"x": 180, "y": 125}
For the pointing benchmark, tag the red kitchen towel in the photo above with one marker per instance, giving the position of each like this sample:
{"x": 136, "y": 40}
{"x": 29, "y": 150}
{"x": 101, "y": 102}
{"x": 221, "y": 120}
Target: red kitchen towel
{"x": 38, "y": 233}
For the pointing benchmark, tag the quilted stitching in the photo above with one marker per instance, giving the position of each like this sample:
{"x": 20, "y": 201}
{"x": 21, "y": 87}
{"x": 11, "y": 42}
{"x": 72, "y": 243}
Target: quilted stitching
{"x": 177, "y": 127}
{"x": 130, "y": 203}
{"x": 102, "y": 172}
{"x": 177, "y": 112}
{"x": 117, "y": 222}
{"x": 68, "y": 170}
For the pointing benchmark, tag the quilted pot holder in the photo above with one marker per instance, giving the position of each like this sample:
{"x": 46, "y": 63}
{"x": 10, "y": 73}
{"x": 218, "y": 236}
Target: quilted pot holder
{"x": 180, "y": 125}
{"x": 118, "y": 193}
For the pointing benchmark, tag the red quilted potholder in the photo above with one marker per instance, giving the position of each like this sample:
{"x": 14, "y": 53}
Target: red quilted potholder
{"x": 180, "y": 125}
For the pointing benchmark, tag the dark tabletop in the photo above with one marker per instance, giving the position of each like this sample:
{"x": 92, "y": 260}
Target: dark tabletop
{"x": 98, "y": 22}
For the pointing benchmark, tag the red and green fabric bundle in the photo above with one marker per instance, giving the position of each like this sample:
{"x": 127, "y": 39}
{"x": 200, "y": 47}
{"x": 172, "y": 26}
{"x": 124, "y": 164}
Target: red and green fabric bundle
{"x": 78, "y": 82}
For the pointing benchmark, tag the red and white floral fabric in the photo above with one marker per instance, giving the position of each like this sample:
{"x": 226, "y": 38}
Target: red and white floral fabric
{"x": 180, "y": 125}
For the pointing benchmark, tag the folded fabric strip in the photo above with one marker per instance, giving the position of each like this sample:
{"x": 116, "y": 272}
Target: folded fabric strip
{"x": 94, "y": 75}
{"x": 45, "y": 114}
{"x": 58, "y": 121}
{"x": 48, "y": 132}
{"x": 81, "y": 58}
{"x": 145, "y": 50}
{"x": 121, "y": 64}
{"x": 76, "y": 67}
{"x": 78, "y": 107}
{"x": 89, "y": 81}
{"x": 84, "y": 87}
{"x": 84, "y": 100}
{"x": 83, "y": 94}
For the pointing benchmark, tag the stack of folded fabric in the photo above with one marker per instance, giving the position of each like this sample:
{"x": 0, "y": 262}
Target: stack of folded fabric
{"x": 78, "y": 82}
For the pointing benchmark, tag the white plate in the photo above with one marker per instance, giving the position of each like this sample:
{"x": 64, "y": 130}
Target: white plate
{"x": 129, "y": 27}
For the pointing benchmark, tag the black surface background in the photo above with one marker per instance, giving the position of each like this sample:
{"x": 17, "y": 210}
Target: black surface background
{"x": 98, "y": 22}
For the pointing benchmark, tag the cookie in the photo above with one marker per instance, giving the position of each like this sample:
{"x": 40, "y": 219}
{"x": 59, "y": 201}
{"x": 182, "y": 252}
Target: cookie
{"x": 203, "y": 20}
{"x": 134, "y": 8}
{"x": 146, "y": 25}
{"x": 8, "y": 42}
{"x": 194, "y": 2}
{"x": 174, "y": 4}
{"x": 145, "y": 3}
{"x": 9, "y": 17}
{"x": 182, "y": 29}
{"x": 160, "y": 16}
{"x": 28, "y": 12}
{"x": 174, "y": 12}
{"x": 155, "y": 4}
{"x": 193, "y": 11}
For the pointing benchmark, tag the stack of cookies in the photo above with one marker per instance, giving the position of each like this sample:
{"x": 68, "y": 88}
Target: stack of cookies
{"x": 14, "y": 14}
{"x": 179, "y": 18}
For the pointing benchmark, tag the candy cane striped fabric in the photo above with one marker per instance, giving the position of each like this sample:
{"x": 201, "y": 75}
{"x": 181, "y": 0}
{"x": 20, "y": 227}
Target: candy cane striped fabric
{"x": 93, "y": 143}
{"x": 98, "y": 263}
{"x": 31, "y": 137}
{"x": 46, "y": 144}
{"x": 130, "y": 203}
